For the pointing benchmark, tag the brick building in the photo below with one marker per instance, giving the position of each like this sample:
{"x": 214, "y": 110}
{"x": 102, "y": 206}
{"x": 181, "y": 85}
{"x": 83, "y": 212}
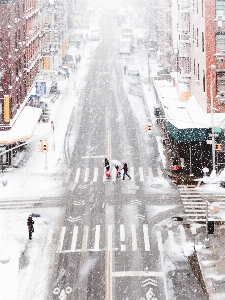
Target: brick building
{"x": 12, "y": 60}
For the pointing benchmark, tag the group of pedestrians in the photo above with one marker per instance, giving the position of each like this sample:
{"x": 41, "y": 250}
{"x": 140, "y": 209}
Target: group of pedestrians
{"x": 118, "y": 173}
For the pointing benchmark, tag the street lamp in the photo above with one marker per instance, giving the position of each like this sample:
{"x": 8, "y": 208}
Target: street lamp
{"x": 212, "y": 67}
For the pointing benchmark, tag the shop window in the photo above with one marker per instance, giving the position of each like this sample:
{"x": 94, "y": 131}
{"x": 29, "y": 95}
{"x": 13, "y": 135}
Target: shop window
{"x": 220, "y": 42}
{"x": 220, "y": 82}
{"x": 220, "y": 8}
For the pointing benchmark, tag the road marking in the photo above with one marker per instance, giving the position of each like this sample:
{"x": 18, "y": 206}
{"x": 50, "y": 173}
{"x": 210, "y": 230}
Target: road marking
{"x": 182, "y": 233}
{"x": 136, "y": 201}
{"x": 134, "y": 237}
{"x": 109, "y": 237}
{"x": 146, "y": 237}
{"x": 140, "y": 217}
{"x": 132, "y": 173}
{"x": 150, "y": 172}
{"x": 61, "y": 238}
{"x": 149, "y": 281}
{"x": 171, "y": 240}
{"x": 77, "y": 175}
{"x": 141, "y": 174}
{"x": 113, "y": 174}
{"x": 104, "y": 177}
{"x": 122, "y": 237}
{"x": 97, "y": 238}
{"x": 78, "y": 202}
{"x": 95, "y": 175}
{"x": 71, "y": 219}
{"x": 109, "y": 146}
{"x": 160, "y": 246}
{"x": 68, "y": 174}
{"x": 94, "y": 156}
{"x": 160, "y": 173}
{"x": 85, "y": 238}
{"x": 74, "y": 239}
{"x": 137, "y": 274}
{"x": 86, "y": 175}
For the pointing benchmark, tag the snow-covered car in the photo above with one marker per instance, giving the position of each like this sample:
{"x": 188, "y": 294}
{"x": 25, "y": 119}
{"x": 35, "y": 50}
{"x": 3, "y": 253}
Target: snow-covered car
{"x": 133, "y": 70}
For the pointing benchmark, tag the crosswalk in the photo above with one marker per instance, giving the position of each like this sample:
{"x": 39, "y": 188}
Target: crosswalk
{"x": 127, "y": 237}
{"x": 194, "y": 202}
{"x": 96, "y": 174}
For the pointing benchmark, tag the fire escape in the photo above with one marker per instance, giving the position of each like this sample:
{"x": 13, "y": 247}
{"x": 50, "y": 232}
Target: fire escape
{"x": 184, "y": 46}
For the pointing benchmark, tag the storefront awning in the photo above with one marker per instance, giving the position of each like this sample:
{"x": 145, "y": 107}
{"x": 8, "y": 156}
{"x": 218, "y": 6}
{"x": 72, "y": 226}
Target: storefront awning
{"x": 23, "y": 127}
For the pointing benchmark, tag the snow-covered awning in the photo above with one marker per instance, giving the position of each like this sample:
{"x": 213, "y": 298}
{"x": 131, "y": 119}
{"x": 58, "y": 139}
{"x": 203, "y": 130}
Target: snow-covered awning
{"x": 23, "y": 127}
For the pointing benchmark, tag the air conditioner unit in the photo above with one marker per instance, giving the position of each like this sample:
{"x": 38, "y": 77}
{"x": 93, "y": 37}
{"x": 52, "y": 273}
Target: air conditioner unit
{"x": 219, "y": 18}
{"x": 219, "y": 23}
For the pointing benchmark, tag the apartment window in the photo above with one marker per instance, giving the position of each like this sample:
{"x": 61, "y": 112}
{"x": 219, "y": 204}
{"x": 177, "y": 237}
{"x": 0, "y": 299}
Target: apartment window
{"x": 0, "y": 47}
{"x": 220, "y": 7}
{"x": 203, "y": 81}
{"x": 220, "y": 81}
{"x": 220, "y": 41}
{"x": 202, "y": 8}
{"x": 1, "y": 79}
{"x": 203, "y": 42}
{"x": 198, "y": 72}
{"x": 197, "y": 36}
{"x": 194, "y": 66}
{"x": 197, "y": 7}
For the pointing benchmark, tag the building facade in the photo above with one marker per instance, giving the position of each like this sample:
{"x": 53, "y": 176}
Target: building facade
{"x": 12, "y": 60}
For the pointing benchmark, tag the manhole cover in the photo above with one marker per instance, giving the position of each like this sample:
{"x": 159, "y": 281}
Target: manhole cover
{"x": 156, "y": 185}
{"x": 177, "y": 218}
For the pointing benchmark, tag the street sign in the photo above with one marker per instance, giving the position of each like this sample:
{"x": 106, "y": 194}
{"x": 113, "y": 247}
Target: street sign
{"x": 217, "y": 130}
{"x": 213, "y": 134}
{"x": 40, "y": 88}
{"x": 209, "y": 142}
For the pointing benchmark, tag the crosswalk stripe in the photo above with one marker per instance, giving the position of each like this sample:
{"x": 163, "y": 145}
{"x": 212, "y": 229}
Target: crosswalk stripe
{"x": 150, "y": 172}
{"x": 160, "y": 173}
{"x": 182, "y": 233}
{"x": 95, "y": 178}
{"x": 171, "y": 240}
{"x": 85, "y": 238}
{"x": 122, "y": 237}
{"x": 113, "y": 174}
{"x": 77, "y": 175}
{"x": 74, "y": 239}
{"x": 159, "y": 239}
{"x": 61, "y": 238}
{"x": 132, "y": 173}
{"x": 134, "y": 237}
{"x": 146, "y": 237}
{"x": 97, "y": 238}
{"x": 141, "y": 174}
{"x": 104, "y": 177}
{"x": 86, "y": 175}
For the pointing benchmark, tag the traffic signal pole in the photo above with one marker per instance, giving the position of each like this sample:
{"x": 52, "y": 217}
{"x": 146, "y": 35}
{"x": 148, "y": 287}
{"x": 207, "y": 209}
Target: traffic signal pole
{"x": 207, "y": 228}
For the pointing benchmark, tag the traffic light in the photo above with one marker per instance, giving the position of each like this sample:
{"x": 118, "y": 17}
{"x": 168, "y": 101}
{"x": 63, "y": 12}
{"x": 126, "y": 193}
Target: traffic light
{"x": 210, "y": 225}
{"x": 40, "y": 145}
{"x": 45, "y": 146}
{"x": 149, "y": 126}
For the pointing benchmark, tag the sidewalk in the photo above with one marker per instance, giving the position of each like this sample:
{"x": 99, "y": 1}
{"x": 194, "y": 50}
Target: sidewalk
{"x": 211, "y": 260}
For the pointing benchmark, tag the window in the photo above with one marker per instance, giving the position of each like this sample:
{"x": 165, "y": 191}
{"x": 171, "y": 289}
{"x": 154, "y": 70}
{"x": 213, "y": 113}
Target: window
{"x": 198, "y": 72}
{"x": 203, "y": 81}
{"x": 1, "y": 79}
{"x": 220, "y": 82}
{"x": 220, "y": 41}
{"x": 197, "y": 37}
{"x": 220, "y": 7}
{"x": 203, "y": 42}
{"x": 194, "y": 66}
{"x": 202, "y": 8}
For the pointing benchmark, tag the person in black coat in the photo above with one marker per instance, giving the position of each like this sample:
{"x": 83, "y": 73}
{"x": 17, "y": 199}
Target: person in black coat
{"x": 125, "y": 170}
{"x": 30, "y": 224}
{"x": 107, "y": 164}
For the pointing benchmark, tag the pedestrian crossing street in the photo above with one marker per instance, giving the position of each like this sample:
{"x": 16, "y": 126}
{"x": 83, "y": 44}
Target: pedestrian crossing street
{"x": 124, "y": 238}
{"x": 98, "y": 174}
{"x": 194, "y": 202}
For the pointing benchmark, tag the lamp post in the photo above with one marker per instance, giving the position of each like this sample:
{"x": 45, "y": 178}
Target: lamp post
{"x": 207, "y": 244}
{"x": 212, "y": 67}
